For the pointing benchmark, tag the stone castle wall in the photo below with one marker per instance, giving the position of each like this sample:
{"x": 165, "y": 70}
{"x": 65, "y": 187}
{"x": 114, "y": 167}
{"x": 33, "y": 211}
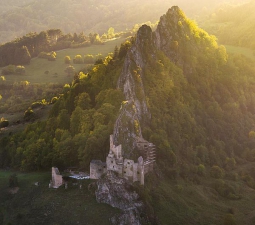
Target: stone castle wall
{"x": 57, "y": 179}
{"x": 126, "y": 168}
{"x": 97, "y": 169}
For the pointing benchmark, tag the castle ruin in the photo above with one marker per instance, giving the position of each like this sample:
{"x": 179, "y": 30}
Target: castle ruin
{"x": 57, "y": 179}
{"x": 126, "y": 168}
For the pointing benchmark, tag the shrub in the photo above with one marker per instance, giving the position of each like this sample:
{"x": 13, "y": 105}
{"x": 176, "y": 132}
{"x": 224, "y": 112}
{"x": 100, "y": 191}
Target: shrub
{"x": 50, "y": 56}
{"x": 67, "y": 59}
{"x": 225, "y": 190}
{"x": 36, "y": 105}
{"x": 8, "y": 70}
{"x": 53, "y": 100}
{"x": 43, "y": 55}
{"x": 230, "y": 163}
{"x": 78, "y": 59}
{"x": 20, "y": 70}
{"x": 29, "y": 114}
{"x": 4, "y": 123}
{"x": 70, "y": 70}
{"x": 89, "y": 59}
{"x": 201, "y": 170}
{"x": 216, "y": 172}
{"x": 248, "y": 180}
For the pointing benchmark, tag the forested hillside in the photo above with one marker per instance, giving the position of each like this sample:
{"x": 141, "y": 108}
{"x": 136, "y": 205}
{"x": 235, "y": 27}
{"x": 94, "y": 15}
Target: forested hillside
{"x": 202, "y": 107}
{"x": 233, "y": 25}
{"x": 18, "y": 18}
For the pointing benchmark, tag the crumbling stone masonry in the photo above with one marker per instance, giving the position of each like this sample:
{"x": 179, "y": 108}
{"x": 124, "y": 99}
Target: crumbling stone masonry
{"x": 97, "y": 169}
{"x": 57, "y": 179}
{"x": 126, "y": 168}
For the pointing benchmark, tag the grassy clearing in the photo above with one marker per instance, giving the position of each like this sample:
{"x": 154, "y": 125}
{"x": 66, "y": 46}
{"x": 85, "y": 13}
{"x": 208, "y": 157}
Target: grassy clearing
{"x": 41, "y": 205}
{"x": 174, "y": 202}
{"x": 35, "y": 72}
{"x": 240, "y": 50}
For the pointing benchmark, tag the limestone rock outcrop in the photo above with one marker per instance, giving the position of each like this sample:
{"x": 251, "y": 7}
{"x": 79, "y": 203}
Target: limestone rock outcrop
{"x": 135, "y": 112}
{"x": 118, "y": 193}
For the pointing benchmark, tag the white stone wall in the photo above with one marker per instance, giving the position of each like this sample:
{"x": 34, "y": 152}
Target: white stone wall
{"x": 117, "y": 150}
{"x": 57, "y": 179}
{"x": 135, "y": 172}
{"x": 97, "y": 169}
{"x": 128, "y": 169}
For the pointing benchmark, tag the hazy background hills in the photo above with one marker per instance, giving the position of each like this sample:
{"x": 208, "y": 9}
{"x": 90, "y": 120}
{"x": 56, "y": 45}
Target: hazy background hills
{"x": 20, "y": 17}
{"x": 233, "y": 25}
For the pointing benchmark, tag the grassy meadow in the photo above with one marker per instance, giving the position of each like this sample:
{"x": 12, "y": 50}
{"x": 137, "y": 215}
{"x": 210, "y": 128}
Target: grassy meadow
{"x": 249, "y": 53}
{"x": 34, "y": 205}
{"x": 35, "y": 72}
{"x": 174, "y": 202}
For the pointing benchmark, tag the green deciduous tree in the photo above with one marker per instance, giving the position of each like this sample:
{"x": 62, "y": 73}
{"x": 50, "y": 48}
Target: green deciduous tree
{"x": 78, "y": 59}
{"x": 201, "y": 169}
{"x": 63, "y": 119}
{"x": 22, "y": 56}
{"x": 67, "y": 59}
{"x": 89, "y": 59}
{"x": 20, "y": 70}
{"x": 83, "y": 101}
{"x": 3, "y": 121}
{"x": 110, "y": 33}
{"x": 70, "y": 70}
{"x": 29, "y": 114}
{"x": 216, "y": 172}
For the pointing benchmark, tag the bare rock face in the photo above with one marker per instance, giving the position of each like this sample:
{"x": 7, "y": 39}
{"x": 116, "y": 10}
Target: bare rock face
{"x": 118, "y": 193}
{"x": 126, "y": 129}
{"x": 174, "y": 37}
{"x": 170, "y": 38}
{"x": 171, "y": 30}
{"x": 135, "y": 112}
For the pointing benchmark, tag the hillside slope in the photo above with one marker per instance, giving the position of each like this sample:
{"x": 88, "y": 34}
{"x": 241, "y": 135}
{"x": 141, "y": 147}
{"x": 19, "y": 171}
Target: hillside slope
{"x": 233, "y": 25}
{"x": 187, "y": 96}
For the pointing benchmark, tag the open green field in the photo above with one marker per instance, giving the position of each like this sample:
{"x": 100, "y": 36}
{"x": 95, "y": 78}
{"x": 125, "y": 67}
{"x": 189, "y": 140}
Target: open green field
{"x": 34, "y": 205}
{"x": 35, "y": 72}
{"x": 240, "y": 50}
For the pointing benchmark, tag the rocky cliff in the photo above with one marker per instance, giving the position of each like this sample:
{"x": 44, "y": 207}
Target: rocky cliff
{"x": 118, "y": 193}
{"x": 183, "y": 43}
{"x": 135, "y": 112}
{"x": 176, "y": 38}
